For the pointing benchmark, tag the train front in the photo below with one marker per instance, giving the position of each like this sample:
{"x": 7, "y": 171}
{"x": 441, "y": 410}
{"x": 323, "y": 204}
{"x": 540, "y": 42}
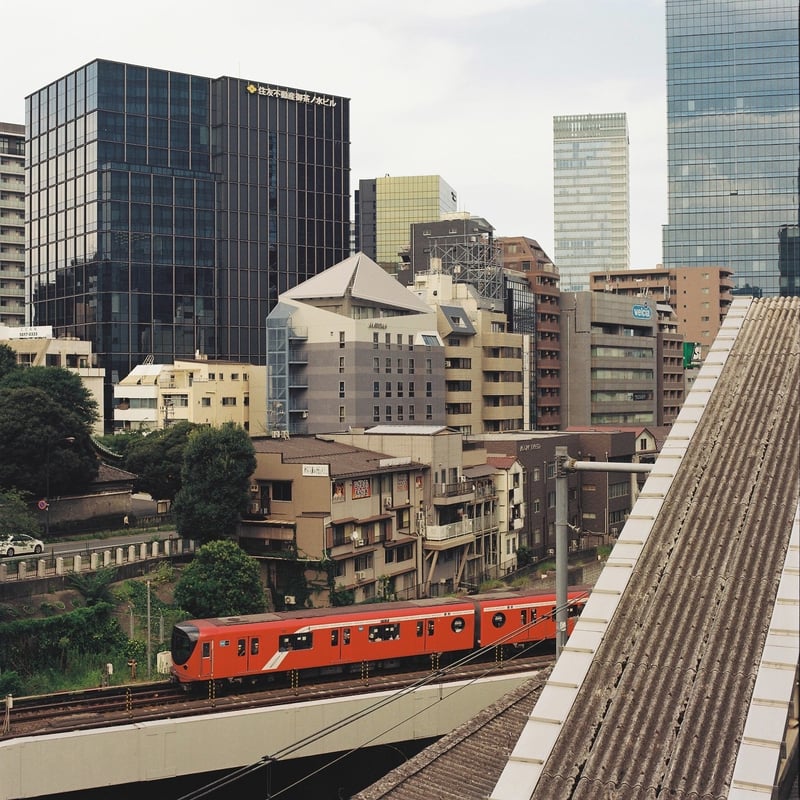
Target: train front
{"x": 183, "y": 646}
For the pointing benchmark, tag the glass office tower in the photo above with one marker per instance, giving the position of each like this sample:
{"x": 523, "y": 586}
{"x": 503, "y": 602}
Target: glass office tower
{"x": 734, "y": 140}
{"x": 591, "y": 197}
{"x": 387, "y": 207}
{"x": 168, "y": 211}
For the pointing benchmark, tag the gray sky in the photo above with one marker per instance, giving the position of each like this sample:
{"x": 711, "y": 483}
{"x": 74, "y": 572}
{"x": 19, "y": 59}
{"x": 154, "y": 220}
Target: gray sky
{"x": 466, "y": 89}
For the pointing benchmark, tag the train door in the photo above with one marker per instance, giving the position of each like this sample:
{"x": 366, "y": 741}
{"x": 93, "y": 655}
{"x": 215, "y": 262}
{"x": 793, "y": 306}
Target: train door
{"x": 247, "y": 650}
{"x": 206, "y": 659}
{"x": 527, "y": 621}
{"x": 340, "y": 645}
{"x": 426, "y": 632}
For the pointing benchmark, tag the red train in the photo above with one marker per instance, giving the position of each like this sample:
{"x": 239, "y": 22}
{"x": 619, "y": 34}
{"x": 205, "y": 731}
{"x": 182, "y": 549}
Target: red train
{"x": 380, "y": 634}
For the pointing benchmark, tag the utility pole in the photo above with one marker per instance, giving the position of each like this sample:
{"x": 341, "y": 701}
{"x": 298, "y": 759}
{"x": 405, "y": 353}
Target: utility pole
{"x": 564, "y": 465}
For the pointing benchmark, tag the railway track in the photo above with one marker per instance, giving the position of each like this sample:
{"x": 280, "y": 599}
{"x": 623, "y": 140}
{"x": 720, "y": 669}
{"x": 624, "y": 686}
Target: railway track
{"x": 108, "y": 707}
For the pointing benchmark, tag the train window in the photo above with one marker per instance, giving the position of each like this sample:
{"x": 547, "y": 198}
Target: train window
{"x": 254, "y": 647}
{"x": 295, "y": 641}
{"x": 241, "y": 647}
{"x": 420, "y": 628}
{"x": 458, "y": 624}
{"x": 574, "y": 610}
{"x": 430, "y": 627}
{"x": 206, "y": 649}
{"x": 346, "y": 636}
{"x": 224, "y": 642}
{"x": 523, "y": 616}
{"x": 499, "y": 619}
{"x": 383, "y": 633}
{"x": 334, "y": 638}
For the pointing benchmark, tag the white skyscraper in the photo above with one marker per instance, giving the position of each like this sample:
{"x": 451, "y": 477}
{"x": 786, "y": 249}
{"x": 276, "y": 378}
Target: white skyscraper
{"x": 591, "y": 182}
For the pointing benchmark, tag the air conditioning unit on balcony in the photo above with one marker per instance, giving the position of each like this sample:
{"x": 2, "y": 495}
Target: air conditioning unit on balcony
{"x": 447, "y": 364}
{"x": 255, "y": 507}
{"x": 360, "y": 576}
{"x": 551, "y": 552}
{"x": 289, "y": 600}
{"x": 358, "y": 542}
{"x": 254, "y": 488}
{"x": 387, "y": 502}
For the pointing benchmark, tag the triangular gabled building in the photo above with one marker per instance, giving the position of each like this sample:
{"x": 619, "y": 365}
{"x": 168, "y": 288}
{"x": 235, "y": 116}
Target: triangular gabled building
{"x": 352, "y": 347}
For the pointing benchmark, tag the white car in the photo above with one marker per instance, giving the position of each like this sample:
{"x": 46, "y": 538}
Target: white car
{"x": 19, "y": 544}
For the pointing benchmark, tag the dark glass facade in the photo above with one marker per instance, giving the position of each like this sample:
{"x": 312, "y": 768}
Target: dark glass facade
{"x": 167, "y": 211}
{"x": 733, "y": 95}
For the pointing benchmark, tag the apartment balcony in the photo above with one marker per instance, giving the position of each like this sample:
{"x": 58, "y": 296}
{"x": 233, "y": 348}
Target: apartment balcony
{"x": 12, "y": 237}
{"x": 501, "y": 388}
{"x": 14, "y": 203}
{"x": 298, "y": 355}
{"x": 449, "y": 533}
{"x": 495, "y": 413}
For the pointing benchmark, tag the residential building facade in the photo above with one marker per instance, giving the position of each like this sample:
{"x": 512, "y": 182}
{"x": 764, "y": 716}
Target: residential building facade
{"x": 591, "y": 208}
{"x": 201, "y": 391}
{"x": 327, "y": 517}
{"x": 733, "y": 115}
{"x": 525, "y": 256}
{"x": 168, "y": 211}
{"x": 485, "y": 378}
{"x": 386, "y": 207}
{"x": 353, "y": 347}
{"x": 12, "y": 224}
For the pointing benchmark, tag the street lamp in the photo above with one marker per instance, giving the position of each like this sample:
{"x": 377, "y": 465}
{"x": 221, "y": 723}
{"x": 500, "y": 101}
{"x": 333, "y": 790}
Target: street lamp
{"x": 50, "y": 444}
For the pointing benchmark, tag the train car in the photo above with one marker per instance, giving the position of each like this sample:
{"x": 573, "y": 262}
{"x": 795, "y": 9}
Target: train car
{"x": 260, "y": 645}
{"x": 521, "y": 618}
{"x": 249, "y": 648}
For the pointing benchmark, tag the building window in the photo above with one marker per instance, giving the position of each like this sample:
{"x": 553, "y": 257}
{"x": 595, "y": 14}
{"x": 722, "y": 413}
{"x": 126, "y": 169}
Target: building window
{"x": 374, "y": 341}
{"x": 411, "y": 366}
{"x": 411, "y": 389}
{"x": 537, "y": 506}
{"x": 281, "y": 490}
{"x": 411, "y": 413}
{"x": 388, "y": 413}
{"x": 205, "y": 402}
{"x": 399, "y": 366}
{"x": 376, "y": 389}
{"x": 388, "y": 367}
{"x": 428, "y": 366}
{"x": 341, "y": 414}
{"x": 399, "y": 413}
{"x": 428, "y": 389}
{"x": 341, "y": 339}
{"x": 376, "y": 364}
{"x": 388, "y": 388}
{"x": 341, "y": 389}
{"x": 428, "y": 413}
{"x": 234, "y": 376}
{"x": 399, "y": 389}
{"x": 228, "y": 401}
{"x": 341, "y": 364}
{"x": 376, "y": 413}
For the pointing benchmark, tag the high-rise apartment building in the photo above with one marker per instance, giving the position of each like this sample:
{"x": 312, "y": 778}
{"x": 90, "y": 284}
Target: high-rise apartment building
{"x": 526, "y": 257}
{"x": 386, "y": 207}
{"x": 733, "y": 134}
{"x": 12, "y": 224}
{"x": 591, "y": 203}
{"x": 168, "y": 211}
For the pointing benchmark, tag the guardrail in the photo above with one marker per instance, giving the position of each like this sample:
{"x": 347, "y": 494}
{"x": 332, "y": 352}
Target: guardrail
{"x": 19, "y": 572}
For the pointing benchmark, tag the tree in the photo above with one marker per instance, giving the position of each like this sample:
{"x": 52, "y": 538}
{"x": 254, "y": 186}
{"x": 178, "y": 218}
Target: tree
{"x": 15, "y": 516}
{"x": 217, "y": 465}
{"x": 221, "y": 581}
{"x": 157, "y": 460}
{"x": 47, "y": 446}
{"x": 8, "y": 360}
{"x": 63, "y": 386}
